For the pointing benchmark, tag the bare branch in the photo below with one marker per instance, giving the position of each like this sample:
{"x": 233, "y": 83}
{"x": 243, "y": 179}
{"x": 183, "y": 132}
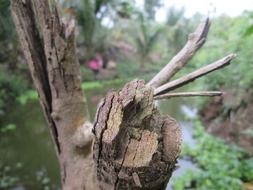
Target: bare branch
{"x": 194, "y": 75}
{"x": 188, "y": 94}
{"x": 194, "y": 43}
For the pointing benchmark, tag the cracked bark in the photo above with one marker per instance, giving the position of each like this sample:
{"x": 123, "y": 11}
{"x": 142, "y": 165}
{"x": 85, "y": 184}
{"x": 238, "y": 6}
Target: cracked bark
{"x": 134, "y": 145}
{"x": 55, "y": 71}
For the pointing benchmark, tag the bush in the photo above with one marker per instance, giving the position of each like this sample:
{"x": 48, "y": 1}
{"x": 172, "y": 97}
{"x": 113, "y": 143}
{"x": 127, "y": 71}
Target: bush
{"x": 127, "y": 69}
{"x": 86, "y": 74}
{"x": 220, "y": 166}
{"x": 226, "y": 36}
{"x": 11, "y": 87}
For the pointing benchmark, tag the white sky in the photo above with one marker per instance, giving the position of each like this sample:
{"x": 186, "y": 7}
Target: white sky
{"x": 213, "y": 7}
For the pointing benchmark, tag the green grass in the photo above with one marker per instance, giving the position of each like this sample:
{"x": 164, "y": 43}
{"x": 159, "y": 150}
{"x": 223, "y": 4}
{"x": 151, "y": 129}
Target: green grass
{"x": 32, "y": 94}
{"x": 101, "y": 84}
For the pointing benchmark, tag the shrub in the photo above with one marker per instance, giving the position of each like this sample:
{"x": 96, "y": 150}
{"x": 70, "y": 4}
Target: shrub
{"x": 220, "y": 166}
{"x": 11, "y": 87}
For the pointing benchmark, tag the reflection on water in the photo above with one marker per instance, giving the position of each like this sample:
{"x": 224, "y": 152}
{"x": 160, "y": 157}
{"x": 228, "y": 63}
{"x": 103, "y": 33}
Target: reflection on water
{"x": 190, "y": 112}
{"x": 31, "y": 146}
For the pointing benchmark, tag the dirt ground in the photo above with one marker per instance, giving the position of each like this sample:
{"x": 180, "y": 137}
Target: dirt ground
{"x": 230, "y": 118}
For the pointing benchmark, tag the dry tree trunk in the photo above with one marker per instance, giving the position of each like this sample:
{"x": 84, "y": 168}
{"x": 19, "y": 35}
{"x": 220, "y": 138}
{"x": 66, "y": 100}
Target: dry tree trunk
{"x": 55, "y": 71}
{"x": 134, "y": 146}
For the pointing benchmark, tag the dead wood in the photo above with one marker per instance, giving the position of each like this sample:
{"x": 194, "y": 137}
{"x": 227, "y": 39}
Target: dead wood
{"x": 188, "y": 94}
{"x": 135, "y": 146}
{"x": 55, "y": 71}
{"x": 194, "y": 75}
{"x": 194, "y": 43}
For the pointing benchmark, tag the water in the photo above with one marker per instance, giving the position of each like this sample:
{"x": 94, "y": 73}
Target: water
{"x": 29, "y": 151}
{"x": 29, "y": 146}
{"x": 180, "y": 109}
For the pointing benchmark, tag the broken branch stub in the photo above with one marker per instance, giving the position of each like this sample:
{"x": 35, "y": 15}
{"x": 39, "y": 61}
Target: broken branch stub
{"x": 195, "y": 41}
{"x": 194, "y": 75}
{"x": 135, "y": 147}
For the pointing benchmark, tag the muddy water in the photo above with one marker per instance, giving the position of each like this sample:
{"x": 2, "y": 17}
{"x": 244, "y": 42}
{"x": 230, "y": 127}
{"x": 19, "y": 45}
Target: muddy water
{"x": 28, "y": 152}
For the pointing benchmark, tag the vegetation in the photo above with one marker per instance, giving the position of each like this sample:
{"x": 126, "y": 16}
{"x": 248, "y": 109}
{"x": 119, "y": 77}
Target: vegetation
{"x": 12, "y": 82}
{"x": 227, "y": 36}
{"x": 219, "y": 166}
{"x": 11, "y": 87}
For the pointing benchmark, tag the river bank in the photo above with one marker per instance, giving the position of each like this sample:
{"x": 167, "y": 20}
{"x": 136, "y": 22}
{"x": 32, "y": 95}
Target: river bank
{"x": 28, "y": 159}
{"x": 230, "y": 118}
{"x": 27, "y": 156}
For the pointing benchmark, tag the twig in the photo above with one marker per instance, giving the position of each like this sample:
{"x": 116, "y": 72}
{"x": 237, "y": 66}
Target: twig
{"x": 194, "y": 43}
{"x": 194, "y": 75}
{"x": 188, "y": 94}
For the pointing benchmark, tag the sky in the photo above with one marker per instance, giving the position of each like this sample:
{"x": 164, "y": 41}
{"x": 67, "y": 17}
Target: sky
{"x": 213, "y": 7}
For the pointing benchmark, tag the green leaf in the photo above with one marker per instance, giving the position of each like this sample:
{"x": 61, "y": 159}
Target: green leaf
{"x": 9, "y": 127}
{"x": 249, "y": 31}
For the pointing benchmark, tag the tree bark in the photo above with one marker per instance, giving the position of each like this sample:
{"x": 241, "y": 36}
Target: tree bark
{"x": 55, "y": 71}
{"x": 135, "y": 147}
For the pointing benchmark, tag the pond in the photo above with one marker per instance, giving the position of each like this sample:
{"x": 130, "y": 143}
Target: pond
{"x": 27, "y": 154}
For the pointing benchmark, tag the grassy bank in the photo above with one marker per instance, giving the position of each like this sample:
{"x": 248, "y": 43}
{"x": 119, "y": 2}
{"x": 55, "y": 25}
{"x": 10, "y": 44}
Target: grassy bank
{"x": 220, "y": 166}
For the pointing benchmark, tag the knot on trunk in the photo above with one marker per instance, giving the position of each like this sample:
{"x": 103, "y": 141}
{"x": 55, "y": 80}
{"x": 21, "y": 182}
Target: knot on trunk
{"x": 136, "y": 147}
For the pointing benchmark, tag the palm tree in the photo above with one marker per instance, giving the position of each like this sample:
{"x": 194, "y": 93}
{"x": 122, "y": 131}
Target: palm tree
{"x": 146, "y": 39}
{"x": 178, "y": 29}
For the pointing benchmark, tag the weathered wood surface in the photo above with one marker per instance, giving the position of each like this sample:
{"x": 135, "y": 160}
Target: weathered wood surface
{"x": 194, "y": 75}
{"x": 135, "y": 146}
{"x": 195, "y": 41}
{"x": 188, "y": 94}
